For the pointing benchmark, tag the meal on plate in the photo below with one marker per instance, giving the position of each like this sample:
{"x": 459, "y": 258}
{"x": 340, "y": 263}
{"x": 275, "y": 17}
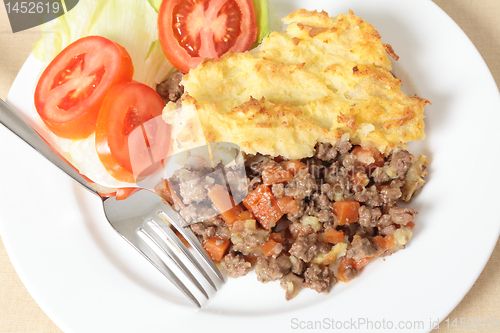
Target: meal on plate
{"x": 316, "y": 111}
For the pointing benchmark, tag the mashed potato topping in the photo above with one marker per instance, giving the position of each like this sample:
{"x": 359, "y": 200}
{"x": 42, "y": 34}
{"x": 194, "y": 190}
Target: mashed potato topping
{"x": 323, "y": 79}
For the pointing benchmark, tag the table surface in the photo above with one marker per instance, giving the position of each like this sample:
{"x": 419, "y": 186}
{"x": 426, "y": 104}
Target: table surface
{"x": 20, "y": 313}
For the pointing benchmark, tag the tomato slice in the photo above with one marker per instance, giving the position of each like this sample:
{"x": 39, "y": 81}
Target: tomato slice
{"x": 191, "y": 30}
{"x": 70, "y": 91}
{"x": 131, "y": 137}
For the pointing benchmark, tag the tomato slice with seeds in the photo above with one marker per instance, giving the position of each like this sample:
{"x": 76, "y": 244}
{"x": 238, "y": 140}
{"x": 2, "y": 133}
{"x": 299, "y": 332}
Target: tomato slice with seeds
{"x": 191, "y": 30}
{"x": 131, "y": 137}
{"x": 70, "y": 91}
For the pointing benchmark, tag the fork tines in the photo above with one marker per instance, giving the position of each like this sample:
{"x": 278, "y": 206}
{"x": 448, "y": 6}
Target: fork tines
{"x": 160, "y": 241}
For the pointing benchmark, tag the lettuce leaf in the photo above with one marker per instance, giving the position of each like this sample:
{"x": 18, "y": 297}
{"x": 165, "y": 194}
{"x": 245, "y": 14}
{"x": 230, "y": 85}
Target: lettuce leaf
{"x": 266, "y": 19}
{"x": 132, "y": 24}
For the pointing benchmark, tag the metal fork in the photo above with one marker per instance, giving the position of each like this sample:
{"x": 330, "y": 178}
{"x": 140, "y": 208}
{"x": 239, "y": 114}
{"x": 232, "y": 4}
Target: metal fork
{"x": 143, "y": 219}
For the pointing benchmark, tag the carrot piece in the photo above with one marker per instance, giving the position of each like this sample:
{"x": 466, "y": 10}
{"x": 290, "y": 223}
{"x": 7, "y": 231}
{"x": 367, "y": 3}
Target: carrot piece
{"x": 410, "y": 224}
{"x": 183, "y": 240}
{"x": 224, "y": 203}
{"x": 363, "y": 261}
{"x": 124, "y": 193}
{"x": 346, "y": 211}
{"x": 262, "y": 203}
{"x": 333, "y": 236}
{"x": 287, "y": 204}
{"x": 277, "y": 237}
{"x": 216, "y": 248}
{"x": 294, "y": 166}
{"x": 384, "y": 242}
{"x": 275, "y": 175}
{"x": 343, "y": 266}
{"x": 370, "y": 158}
{"x": 245, "y": 215}
{"x": 268, "y": 247}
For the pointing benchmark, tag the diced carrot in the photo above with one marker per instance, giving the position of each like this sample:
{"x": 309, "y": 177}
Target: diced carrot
{"x": 363, "y": 261}
{"x": 343, "y": 266}
{"x": 224, "y": 203}
{"x": 410, "y": 224}
{"x": 268, "y": 247}
{"x": 277, "y": 237}
{"x": 275, "y": 175}
{"x": 216, "y": 248}
{"x": 287, "y": 204}
{"x": 124, "y": 193}
{"x": 294, "y": 166}
{"x": 333, "y": 236}
{"x": 346, "y": 211}
{"x": 370, "y": 158}
{"x": 385, "y": 242}
{"x": 245, "y": 215}
{"x": 183, "y": 240}
{"x": 264, "y": 206}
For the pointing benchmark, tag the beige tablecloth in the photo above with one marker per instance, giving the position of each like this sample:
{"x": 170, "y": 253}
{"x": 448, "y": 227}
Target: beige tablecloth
{"x": 479, "y": 20}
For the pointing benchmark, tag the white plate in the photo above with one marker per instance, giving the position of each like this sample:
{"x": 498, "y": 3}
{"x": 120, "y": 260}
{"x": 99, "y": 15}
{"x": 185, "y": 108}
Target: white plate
{"x": 87, "y": 279}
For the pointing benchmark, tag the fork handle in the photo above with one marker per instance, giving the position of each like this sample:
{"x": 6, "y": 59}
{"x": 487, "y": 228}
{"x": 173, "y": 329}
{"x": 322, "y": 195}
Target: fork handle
{"x": 10, "y": 119}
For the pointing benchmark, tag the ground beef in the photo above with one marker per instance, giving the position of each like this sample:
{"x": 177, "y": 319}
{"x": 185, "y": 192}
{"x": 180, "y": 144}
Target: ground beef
{"x": 256, "y": 168}
{"x": 325, "y": 215}
{"x": 171, "y": 89}
{"x": 402, "y": 215}
{"x": 368, "y": 217}
{"x": 278, "y": 190}
{"x": 361, "y": 248}
{"x": 249, "y": 239}
{"x": 390, "y": 195}
{"x": 254, "y": 183}
{"x": 386, "y": 231}
{"x": 235, "y": 265}
{"x": 272, "y": 269}
{"x": 370, "y": 197}
{"x": 296, "y": 215}
{"x": 326, "y": 152}
{"x": 333, "y": 174}
{"x": 321, "y": 201}
{"x": 365, "y": 231}
{"x": 319, "y": 278}
{"x": 400, "y": 162}
{"x": 301, "y": 186}
{"x": 202, "y": 230}
{"x": 292, "y": 284}
{"x": 298, "y": 266}
{"x": 216, "y": 220}
{"x": 238, "y": 183}
{"x": 380, "y": 176}
{"x": 343, "y": 146}
{"x": 349, "y": 274}
{"x": 199, "y": 212}
{"x": 194, "y": 184}
{"x": 349, "y": 162}
{"x": 305, "y": 247}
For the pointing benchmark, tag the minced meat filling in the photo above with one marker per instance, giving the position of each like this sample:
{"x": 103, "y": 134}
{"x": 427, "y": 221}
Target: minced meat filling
{"x": 313, "y": 222}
